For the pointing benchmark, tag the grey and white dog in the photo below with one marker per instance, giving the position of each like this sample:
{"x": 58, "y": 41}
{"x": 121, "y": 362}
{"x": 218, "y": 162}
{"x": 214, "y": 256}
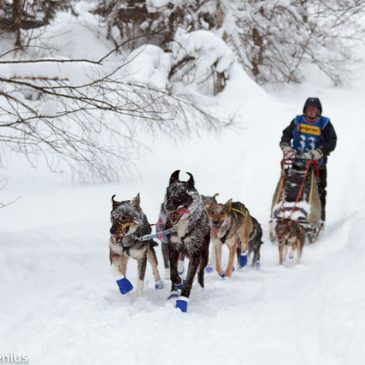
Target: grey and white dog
{"x": 129, "y": 224}
{"x": 184, "y": 210}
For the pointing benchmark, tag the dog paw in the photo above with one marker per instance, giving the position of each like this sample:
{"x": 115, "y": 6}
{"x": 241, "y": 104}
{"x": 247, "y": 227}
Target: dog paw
{"x": 222, "y": 274}
{"x": 124, "y": 285}
{"x": 180, "y": 285}
{"x": 257, "y": 265}
{"x": 173, "y": 295}
{"x": 182, "y": 304}
{"x": 159, "y": 285}
{"x": 209, "y": 269}
{"x": 243, "y": 259}
{"x": 289, "y": 261}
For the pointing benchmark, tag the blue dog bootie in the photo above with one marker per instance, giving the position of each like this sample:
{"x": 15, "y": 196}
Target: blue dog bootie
{"x": 173, "y": 295}
{"x": 243, "y": 259}
{"x": 182, "y": 304}
{"x": 258, "y": 265}
{"x": 209, "y": 269}
{"x": 124, "y": 285}
{"x": 180, "y": 285}
{"x": 159, "y": 284}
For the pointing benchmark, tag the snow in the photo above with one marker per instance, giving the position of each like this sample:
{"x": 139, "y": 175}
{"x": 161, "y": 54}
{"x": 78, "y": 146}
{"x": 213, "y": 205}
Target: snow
{"x": 60, "y": 304}
{"x": 147, "y": 64}
{"x": 206, "y": 47}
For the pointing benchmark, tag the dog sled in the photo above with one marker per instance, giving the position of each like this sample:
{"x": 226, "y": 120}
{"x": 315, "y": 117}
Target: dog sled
{"x": 296, "y": 197}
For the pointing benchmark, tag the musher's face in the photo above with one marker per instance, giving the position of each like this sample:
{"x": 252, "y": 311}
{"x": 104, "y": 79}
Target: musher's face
{"x": 312, "y": 111}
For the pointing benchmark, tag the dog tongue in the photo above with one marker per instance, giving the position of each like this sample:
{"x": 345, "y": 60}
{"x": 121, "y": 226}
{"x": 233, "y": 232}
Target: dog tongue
{"x": 178, "y": 213}
{"x": 215, "y": 230}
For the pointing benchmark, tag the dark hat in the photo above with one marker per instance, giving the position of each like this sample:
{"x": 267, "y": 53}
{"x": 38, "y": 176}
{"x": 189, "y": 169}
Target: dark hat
{"x": 313, "y": 102}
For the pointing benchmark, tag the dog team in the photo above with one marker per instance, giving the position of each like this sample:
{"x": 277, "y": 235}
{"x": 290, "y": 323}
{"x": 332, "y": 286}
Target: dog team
{"x": 189, "y": 225}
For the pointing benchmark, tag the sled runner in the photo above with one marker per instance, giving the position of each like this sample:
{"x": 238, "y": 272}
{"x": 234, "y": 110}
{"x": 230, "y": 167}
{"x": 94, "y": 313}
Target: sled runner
{"x": 296, "y": 197}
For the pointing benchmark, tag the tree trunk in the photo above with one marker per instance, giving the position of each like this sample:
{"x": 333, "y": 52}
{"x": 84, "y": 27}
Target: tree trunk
{"x": 17, "y": 21}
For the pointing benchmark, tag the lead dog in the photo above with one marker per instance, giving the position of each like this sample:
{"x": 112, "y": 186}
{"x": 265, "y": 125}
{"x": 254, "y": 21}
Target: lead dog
{"x": 161, "y": 225}
{"x": 232, "y": 224}
{"x": 185, "y": 212}
{"x": 129, "y": 224}
{"x": 291, "y": 237}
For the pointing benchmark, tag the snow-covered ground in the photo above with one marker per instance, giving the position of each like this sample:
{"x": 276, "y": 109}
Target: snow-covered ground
{"x": 60, "y": 305}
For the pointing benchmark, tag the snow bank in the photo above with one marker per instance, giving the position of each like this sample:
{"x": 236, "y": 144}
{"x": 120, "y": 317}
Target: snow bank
{"x": 147, "y": 64}
{"x": 70, "y": 72}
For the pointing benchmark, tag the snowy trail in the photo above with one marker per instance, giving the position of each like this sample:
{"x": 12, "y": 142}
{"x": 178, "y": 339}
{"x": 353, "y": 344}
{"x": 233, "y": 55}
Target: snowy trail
{"x": 62, "y": 306}
{"x": 78, "y": 316}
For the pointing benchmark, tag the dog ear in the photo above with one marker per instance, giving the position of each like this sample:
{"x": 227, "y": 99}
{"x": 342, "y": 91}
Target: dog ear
{"x": 114, "y": 202}
{"x": 229, "y": 204}
{"x": 136, "y": 201}
{"x": 191, "y": 180}
{"x": 174, "y": 177}
{"x": 214, "y": 196}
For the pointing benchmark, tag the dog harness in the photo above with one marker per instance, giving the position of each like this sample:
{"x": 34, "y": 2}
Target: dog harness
{"x": 243, "y": 213}
{"x": 239, "y": 211}
{"x": 158, "y": 235}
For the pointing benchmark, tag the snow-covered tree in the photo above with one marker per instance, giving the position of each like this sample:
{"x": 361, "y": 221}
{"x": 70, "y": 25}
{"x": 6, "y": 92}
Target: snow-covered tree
{"x": 275, "y": 39}
{"x": 18, "y": 15}
{"x": 157, "y": 20}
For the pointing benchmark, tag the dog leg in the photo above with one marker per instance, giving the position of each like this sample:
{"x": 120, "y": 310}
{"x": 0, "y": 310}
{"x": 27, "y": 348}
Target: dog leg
{"x": 142, "y": 263}
{"x": 244, "y": 237}
{"x": 118, "y": 265}
{"x": 281, "y": 252}
{"x": 238, "y": 253}
{"x": 218, "y": 257}
{"x": 165, "y": 255}
{"x": 119, "y": 268}
{"x": 152, "y": 259}
{"x": 211, "y": 254}
{"x": 183, "y": 300}
{"x": 256, "y": 256}
{"x": 203, "y": 262}
{"x": 299, "y": 250}
{"x": 174, "y": 276}
{"x": 232, "y": 246}
{"x": 180, "y": 264}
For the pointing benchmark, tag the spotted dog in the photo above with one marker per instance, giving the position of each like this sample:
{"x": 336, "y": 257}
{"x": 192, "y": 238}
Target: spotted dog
{"x": 129, "y": 223}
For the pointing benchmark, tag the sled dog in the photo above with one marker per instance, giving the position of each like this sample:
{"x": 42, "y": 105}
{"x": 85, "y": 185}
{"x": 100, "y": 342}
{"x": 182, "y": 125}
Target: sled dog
{"x": 291, "y": 237}
{"x": 232, "y": 224}
{"x": 184, "y": 210}
{"x": 163, "y": 218}
{"x": 129, "y": 223}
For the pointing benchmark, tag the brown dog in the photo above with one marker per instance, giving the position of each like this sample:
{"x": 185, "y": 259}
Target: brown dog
{"x": 291, "y": 237}
{"x": 231, "y": 224}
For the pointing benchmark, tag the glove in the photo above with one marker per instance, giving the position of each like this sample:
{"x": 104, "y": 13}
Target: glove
{"x": 288, "y": 152}
{"x": 316, "y": 154}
